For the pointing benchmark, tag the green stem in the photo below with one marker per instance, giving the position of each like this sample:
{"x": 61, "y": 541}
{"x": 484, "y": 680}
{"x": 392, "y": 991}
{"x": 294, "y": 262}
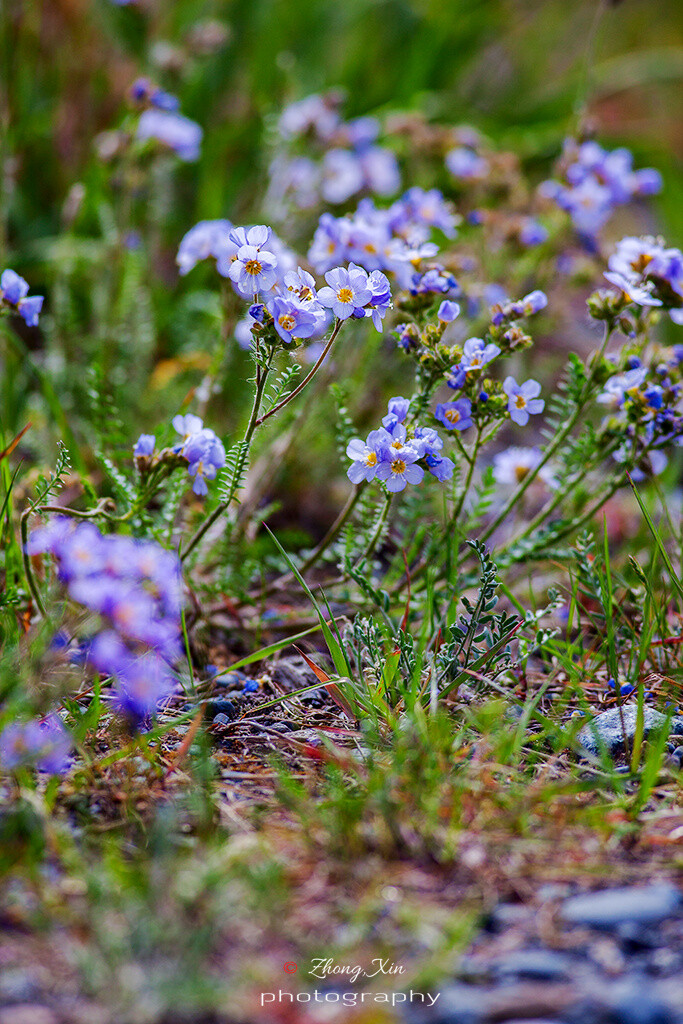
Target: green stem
{"x": 30, "y": 579}
{"x": 309, "y": 377}
{"x": 558, "y": 497}
{"x": 261, "y": 378}
{"x": 374, "y": 540}
{"x": 553, "y": 446}
{"x": 329, "y": 537}
{"x": 468, "y": 480}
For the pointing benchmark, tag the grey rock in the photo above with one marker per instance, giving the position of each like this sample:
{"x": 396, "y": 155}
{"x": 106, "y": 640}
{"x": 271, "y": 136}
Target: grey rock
{"x": 27, "y": 1013}
{"x": 17, "y": 986}
{"x": 534, "y": 964}
{"x": 610, "y": 908}
{"x": 608, "y": 726}
{"x": 457, "y": 1004}
{"x": 638, "y": 1007}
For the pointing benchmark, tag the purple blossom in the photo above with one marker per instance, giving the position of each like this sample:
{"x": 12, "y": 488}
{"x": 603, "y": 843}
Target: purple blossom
{"x": 135, "y": 587}
{"x": 397, "y": 412}
{"x": 440, "y": 466}
{"x": 172, "y": 130}
{"x": 398, "y": 468}
{"x": 253, "y": 270}
{"x": 293, "y": 318}
{"x": 14, "y": 288}
{"x": 448, "y": 311}
{"x": 348, "y": 291}
{"x": 14, "y": 292}
{"x": 455, "y": 415}
{"x": 532, "y": 232}
{"x": 205, "y": 239}
{"x": 206, "y": 455}
{"x": 367, "y": 455}
{"x": 513, "y": 465}
{"x": 380, "y": 298}
{"x": 523, "y": 399}
{"x": 464, "y": 163}
{"x": 476, "y": 354}
{"x": 144, "y": 446}
{"x": 46, "y": 745}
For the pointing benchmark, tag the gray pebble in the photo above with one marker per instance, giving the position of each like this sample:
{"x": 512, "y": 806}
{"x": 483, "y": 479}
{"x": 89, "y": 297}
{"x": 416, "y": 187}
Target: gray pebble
{"x": 608, "y": 726}
{"x": 613, "y": 907}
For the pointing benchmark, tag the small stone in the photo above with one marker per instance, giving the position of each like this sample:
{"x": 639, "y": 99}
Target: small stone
{"x": 230, "y": 680}
{"x": 610, "y": 908}
{"x": 534, "y": 964}
{"x": 457, "y": 1004}
{"x": 638, "y": 1007}
{"x": 220, "y": 707}
{"x": 27, "y": 1013}
{"x": 221, "y": 720}
{"x": 608, "y": 726}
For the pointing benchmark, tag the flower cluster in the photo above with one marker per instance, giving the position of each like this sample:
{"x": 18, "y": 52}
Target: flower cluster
{"x": 203, "y": 450}
{"x": 44, "y": 744}
{"x": 645, "y": 413}
{"x": 595, "y": 182}
{"x": 135, "y": 588}
{"x": 161, "y": 122}
{"x": 14, "y": 295}
{"x": 200, "y": 447}
{"x": 514, "y": 464}
{"x": 260, "y": 267}
{"x": 648, "y": 274}
{"x": 394, "y": 240}
{"x": 392, "y": 454}
{"x": 144, "y": 93}
{"x": 466, "y": 164}
{"x": 348, "y": 160}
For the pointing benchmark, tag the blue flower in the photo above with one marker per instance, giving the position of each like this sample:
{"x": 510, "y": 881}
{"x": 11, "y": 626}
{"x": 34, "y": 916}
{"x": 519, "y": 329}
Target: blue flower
{"x": 347, "y": 291}
{"x": 523, "y": 399}
{"x": 14, "y": 292}
{"x": 172, "y": 130}
{"x": 14, "y": 288}
{"x": 532, "y": 232}
{"x": 367, "y": 455}
{"x": 399, "y": 469}
{"x": 464, "y": 163}
{"x": 476, "y": 354}
{"x": 253, "y": 270}
{"x": 206, "y": 455}
{"x": 397, "y": 412}
{"x": 380, "y": 298}
{"x": 207, "y": 238}
{"x": 144, "y": 446}
{"x": 292, "y": 318}
{"x": 455, "y": 415}
{"x": 448, "y": 311}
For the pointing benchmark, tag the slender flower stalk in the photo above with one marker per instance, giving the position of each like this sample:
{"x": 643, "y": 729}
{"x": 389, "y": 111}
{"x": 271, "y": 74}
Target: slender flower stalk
{"x": 553, "y": 446}
{"x": 304, "y": 383}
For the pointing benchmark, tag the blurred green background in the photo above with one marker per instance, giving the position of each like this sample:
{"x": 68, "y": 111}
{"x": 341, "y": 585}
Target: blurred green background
{"x": 123, "y": 339}
{"x": 518, "y": 69}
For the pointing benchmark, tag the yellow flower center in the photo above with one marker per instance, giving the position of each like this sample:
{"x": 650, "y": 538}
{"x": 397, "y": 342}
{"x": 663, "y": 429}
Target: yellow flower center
{"x": 398, "y": 466}
{"x": 520, "y": 402}
{"x": 520, "y": 473}
{"x": 287, "y": 321}
{"x": 641, "y": 263}
{"x": 371, "y": 459}
{"x": 396, "y": 444}
{"x": 345, "y": 295}
{"x": 452, "y": 415}
{"x": 253, "y": 267}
